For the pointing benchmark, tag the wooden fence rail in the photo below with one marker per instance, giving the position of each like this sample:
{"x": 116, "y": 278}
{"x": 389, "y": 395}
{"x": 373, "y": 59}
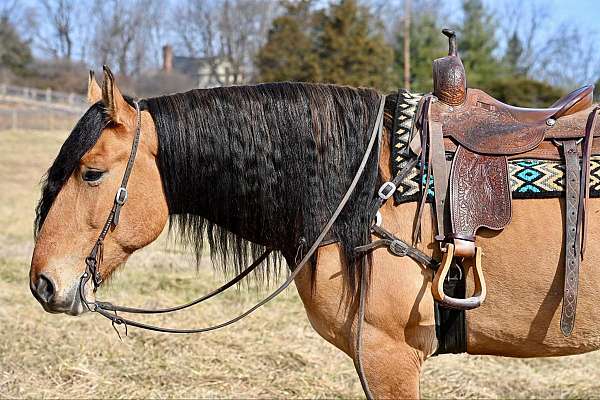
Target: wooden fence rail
{"x": 47, "y": 95}
{"x": 35, "y": 109}
{"x": 37, "y": 119}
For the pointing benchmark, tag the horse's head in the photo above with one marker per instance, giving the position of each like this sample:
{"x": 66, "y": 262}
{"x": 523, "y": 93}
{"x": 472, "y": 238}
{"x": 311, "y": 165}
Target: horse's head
{"x": 79, "y": 193}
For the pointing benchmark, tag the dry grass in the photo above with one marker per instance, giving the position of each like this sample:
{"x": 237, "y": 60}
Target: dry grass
{"x": 272, "y": 354}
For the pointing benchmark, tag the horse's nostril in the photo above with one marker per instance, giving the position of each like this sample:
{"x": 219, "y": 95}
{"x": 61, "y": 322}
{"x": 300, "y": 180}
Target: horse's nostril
{"x": 45, "y": 289}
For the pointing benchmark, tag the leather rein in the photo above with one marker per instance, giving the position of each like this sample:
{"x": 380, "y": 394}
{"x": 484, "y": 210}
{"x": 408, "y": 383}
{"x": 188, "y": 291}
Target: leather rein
{"x": 92, "y": 262}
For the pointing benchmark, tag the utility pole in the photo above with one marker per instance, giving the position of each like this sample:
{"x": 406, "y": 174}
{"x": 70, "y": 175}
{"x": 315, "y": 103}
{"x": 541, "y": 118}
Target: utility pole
{"x": 406, "y": 43}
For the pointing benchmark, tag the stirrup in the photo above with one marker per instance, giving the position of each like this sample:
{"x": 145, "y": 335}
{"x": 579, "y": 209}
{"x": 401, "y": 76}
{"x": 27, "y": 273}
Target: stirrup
{"x": 437, "y": 287}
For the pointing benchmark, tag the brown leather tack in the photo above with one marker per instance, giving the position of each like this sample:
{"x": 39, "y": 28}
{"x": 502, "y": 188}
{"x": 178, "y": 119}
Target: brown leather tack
{"x": 567, "y": 318}
{"x": 480, "y": 193}
{"x": 484, "y": 133}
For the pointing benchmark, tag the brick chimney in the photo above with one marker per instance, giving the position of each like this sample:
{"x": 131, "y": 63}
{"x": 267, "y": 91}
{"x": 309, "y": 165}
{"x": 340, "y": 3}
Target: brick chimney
{"x": 167, "y": 59}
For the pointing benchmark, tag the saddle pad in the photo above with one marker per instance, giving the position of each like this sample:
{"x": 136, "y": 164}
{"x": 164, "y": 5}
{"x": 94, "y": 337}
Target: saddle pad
{"x": 529, "y": 178}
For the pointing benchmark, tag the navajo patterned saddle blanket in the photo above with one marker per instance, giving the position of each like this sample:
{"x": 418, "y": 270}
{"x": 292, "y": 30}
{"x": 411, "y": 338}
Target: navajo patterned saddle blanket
{"x": 528, "y": 177}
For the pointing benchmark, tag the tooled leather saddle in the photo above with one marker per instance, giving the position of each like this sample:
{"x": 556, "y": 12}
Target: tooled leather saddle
{"x": 474, "y": 192}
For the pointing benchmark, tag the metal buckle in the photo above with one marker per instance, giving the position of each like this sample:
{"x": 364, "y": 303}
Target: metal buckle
{"x": 121, "y": 196}
{"x": 398, "y": 248}
{"x": 386, "y": 190}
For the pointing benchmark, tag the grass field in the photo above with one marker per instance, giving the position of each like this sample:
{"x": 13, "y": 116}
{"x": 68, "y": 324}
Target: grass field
{"x": 272, "y": 354}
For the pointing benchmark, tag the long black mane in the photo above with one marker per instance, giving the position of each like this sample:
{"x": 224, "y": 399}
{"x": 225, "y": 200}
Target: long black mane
{"x": 250, "y": 167}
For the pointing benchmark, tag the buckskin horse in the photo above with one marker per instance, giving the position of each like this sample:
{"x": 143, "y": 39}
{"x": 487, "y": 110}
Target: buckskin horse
{"x": 295, "y": 168}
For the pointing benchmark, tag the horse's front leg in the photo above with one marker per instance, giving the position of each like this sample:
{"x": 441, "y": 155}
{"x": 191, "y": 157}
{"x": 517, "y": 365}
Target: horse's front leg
{"x": 399, "y": 329}
{"x": 392, "y": 366}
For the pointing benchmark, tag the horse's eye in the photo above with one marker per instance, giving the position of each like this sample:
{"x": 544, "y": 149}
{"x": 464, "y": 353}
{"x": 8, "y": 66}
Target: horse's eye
{"x": 92, "y": 175}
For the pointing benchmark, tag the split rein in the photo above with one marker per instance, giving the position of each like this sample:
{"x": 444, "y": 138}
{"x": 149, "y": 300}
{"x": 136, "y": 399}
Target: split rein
{"x": 110, "y": 311}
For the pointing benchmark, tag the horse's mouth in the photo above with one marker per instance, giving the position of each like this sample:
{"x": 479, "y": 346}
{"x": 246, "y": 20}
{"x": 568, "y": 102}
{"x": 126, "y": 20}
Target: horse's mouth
{"x": 70, "y": 304}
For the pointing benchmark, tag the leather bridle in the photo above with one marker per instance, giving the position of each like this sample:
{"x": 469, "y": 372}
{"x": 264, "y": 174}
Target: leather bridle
{"x": 110, "y": 311}
{"x": 93, "y": 260}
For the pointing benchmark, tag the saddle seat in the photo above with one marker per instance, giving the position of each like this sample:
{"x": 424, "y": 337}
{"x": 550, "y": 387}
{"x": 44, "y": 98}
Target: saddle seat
{"x": 485, "y": 125}
{"x": 577, "y": 100}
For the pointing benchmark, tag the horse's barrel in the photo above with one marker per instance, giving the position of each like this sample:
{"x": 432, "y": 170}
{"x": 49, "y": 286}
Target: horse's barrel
{"x": 449, "y": 77}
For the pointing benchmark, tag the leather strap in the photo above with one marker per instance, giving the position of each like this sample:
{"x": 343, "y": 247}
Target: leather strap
{"x": 94, "y": 259}
{"x": 388, "y": 189}
{"x": 572, "y": 248}
{"x": 397, "y": 247}
{"x": 425, "y": 164}
{"x": 133, "y": 310}
{"x": 577, "y": 195}
{"x": 440, "y": 173}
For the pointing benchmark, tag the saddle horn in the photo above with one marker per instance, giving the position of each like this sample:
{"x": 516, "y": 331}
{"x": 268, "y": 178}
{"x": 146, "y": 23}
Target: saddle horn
{"x": 449, "y": 77}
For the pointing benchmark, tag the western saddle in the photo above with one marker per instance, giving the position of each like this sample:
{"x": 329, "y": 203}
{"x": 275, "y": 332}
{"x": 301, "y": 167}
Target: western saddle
{"x": 474, "y": 191}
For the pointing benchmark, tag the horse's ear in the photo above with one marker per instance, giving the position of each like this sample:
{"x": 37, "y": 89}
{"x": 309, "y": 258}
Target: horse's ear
{"x": 94, "y": 93}
{"x": 116, "y": 107}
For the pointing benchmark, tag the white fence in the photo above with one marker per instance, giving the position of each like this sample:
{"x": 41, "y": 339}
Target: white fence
{"x": 35, "y": 109}
{"x": 47, "y": 97}
{"x": 37, "y": 119}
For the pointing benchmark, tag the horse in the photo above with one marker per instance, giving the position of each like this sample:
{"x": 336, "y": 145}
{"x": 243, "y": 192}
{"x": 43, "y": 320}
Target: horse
{"x": 247, "y": 168}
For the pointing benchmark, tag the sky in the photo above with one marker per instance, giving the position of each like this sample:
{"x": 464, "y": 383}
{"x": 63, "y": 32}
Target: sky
{"x": 584, "y": 13}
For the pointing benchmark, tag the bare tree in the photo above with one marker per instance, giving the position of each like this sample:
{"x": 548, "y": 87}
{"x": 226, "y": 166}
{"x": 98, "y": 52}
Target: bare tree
{"x": 558, "y": 53}
{"x": 569, "y": 57}
{"x": 7, "y": 9}
{"x": 528, "y": 21}
{"x": 122, "y": 34}
{"x": 61, "y": 16}
{"x": 230, "y": 29}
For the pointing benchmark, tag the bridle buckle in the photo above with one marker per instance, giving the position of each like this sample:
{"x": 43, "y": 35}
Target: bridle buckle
{"x": 386, "y": 190}
{"x": 121, "y": 196}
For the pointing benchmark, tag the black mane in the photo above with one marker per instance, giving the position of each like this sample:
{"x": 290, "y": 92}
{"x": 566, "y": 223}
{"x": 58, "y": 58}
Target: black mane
{"x": 249, "y": 167}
